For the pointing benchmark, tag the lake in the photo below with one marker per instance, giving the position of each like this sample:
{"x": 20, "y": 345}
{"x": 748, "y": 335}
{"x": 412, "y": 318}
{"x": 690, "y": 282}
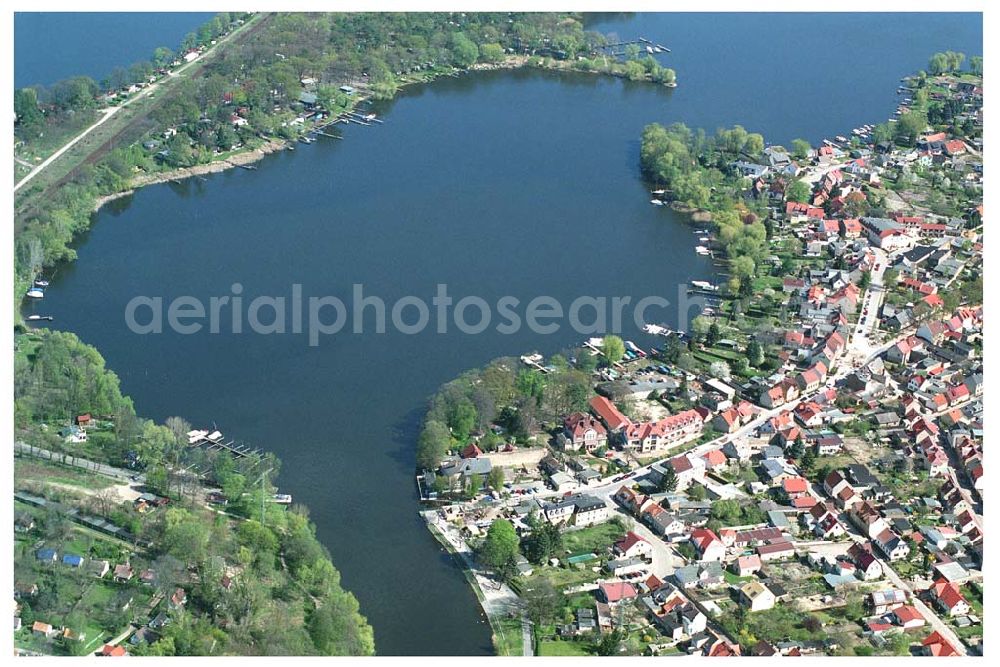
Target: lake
{"x": 50, "y": 46}
{"x": 507, "y": 183}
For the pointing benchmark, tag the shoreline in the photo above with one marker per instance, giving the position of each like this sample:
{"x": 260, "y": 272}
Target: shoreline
{"x": 468, "y": 571}
{"x": 245, "y": 157}
{"x": 236, "y": 160}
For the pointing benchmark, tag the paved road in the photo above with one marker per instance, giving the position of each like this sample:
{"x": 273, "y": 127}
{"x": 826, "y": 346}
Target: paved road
{"x": 665, "y": 559}
{"x": 77, "y": 462}
{"x": 929, "y": 614}
{"x": 108, "y": 113}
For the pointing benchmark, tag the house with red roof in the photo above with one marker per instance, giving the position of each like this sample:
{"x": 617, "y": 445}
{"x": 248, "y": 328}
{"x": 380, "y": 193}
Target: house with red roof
{"x": 632, "y": 546}
{"x": 583, "y": 431}
{"x": 908, "y": 617}
{"x": 715, "y": 459}
{"x": 665, "y": 433}
{"x": 850, "y": 228}
{"x": 708, "y": 545}
{"x": 809, "y": 414}
{"x": 114, "y": 651}
{"x": 727, "y": 421}
{"x": 948, "y": 598}
{"x": 823, "y": 521}
{"x": 745, "y": 566}
{"x": 811, "y": 378}
{"x": 954, "y": 147}
{"x": 613, "y": 592}
{"x": 471, "y": 451}
{"x": 937, "y": 646}
{"x": 607, "y": 412}
{"x": 795, "y": 487}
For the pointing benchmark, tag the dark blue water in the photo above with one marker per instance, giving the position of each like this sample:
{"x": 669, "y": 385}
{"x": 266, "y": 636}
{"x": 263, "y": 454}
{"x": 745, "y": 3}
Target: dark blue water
{"x": 522, "y": 184}
{"x": 51, "y": 46}
{"x": 794, "y": 75}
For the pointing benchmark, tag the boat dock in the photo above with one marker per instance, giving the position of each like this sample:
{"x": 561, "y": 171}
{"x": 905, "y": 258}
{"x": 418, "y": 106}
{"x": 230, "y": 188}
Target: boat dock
{"x": 214, "y": 440}
{"x": 618, "y": 48}
{"x": 535, "y": 361}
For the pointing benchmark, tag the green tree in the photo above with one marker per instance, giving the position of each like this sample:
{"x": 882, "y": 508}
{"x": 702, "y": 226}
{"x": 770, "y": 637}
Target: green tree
{"x": 801, "y": 148}
{"x": 434, "y": 442}
{"x": 496, "y": 479}
{"x": 668, "y": 482}
{"x": 910, "y": 125}
{"x": 464, "y": 51}
{"x": 544, "y": 541}
{"x": 609, "y": 643}
{"x": 713, "y": 335}
{"x": 500, "y": 548}
{"x": 28, "y": 117}
{"x": 613, "y": 348}
{"x": 542, "y": 601}
{"x": 491, "y": 53}
{"x": 798, "y": 191}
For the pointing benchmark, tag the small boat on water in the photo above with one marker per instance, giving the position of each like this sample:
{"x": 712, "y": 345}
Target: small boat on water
{"x": 702, "y": 250}
{"x": 704, "y": 239}
{"x": 283, "y": 498}
{"x": 841, "y": 138}
{"x": 37, "y": 318}
{"x": 656, "y": 202}
{"x": 701, "y": 232}
{"x": 41, "y": 283}
{"x": 656, "y": 330}
{"x": 36, "y": 293}
{"x": 705, "y": 285}
{"x": 658, "y": 192}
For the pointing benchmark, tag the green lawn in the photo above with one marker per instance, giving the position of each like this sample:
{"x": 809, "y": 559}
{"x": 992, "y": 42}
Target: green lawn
{"x": 507, "y": 638}
{"x": 559, "y": 647}
{"x": 596, "y": 539}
